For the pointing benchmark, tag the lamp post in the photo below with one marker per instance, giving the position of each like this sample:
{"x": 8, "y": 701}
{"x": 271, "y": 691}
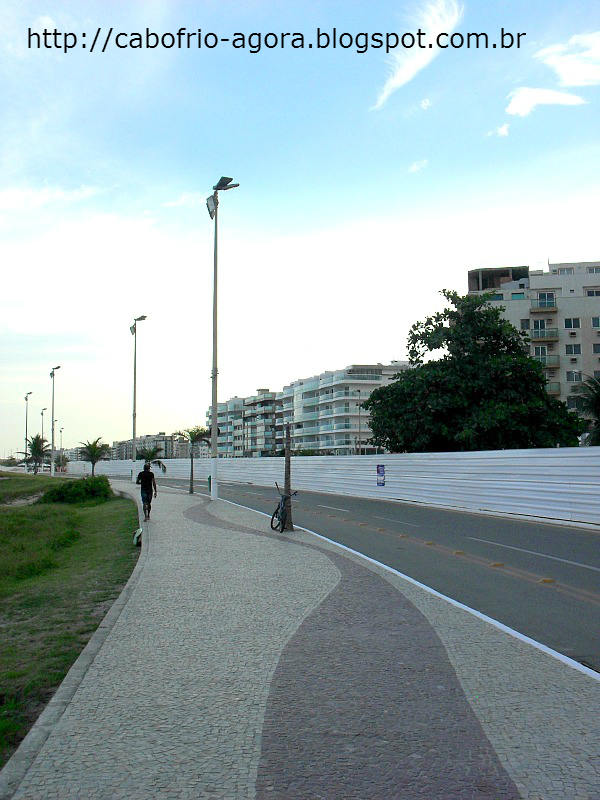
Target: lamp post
{"x": 26, "y": 414}
{"x": 53, "y": 421}
{"x": 62, "y": 454}
{"x": 133, "y": 330}
{"x": 212, "y": 203}
{"x": 43, "y": 409}
{"x": 359, "y": 431}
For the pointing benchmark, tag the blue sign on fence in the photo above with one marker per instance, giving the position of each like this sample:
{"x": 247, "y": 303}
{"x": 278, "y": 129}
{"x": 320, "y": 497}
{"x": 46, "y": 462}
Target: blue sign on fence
{"x": 380, "y": 474}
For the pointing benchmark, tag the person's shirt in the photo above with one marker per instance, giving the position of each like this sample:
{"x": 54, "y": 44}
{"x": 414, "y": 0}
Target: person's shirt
{"x": 146, "y": 479}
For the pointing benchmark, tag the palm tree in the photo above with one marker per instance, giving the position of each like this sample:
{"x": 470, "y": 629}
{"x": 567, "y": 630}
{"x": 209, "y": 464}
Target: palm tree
{"x": 194, "y": 436}
{"x": 589, "y": 392}
{"x": 151, "y": 456}
{"x": 94, "y": 451}
{"x": 39, "y": 450}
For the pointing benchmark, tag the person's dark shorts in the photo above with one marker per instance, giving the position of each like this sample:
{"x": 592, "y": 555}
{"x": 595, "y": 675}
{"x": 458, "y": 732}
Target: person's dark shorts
{"x": 146, "y": 496}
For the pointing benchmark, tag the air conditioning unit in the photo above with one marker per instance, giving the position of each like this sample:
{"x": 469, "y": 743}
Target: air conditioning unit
{"x": 572, "y": 333}
{"x": 574, "y": 360}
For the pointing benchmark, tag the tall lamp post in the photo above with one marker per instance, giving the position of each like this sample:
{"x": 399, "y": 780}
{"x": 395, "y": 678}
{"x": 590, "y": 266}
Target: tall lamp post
{"x": 212, "y": 203}
{"x": 53, "y": 421}
{"x": 62, "y": 454}
{"x": 43, "y": 409}
{"x": 133, "y": 330}
{"x": 26, "y": 414}
{"x": 359, "y": 430}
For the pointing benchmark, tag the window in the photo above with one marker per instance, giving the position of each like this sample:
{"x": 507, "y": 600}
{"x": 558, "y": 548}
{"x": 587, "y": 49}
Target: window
{"x": 525, "y": 324}
{"x": 596, "y": 348}
{"x": 572, "y": 322}
{"x": 594, "y": 270}
{"x": 517, "y": 295}
{"x": 593, "y": 292}
{"x": 539, "y": 324}
{"x": 597, "y": 373}
{"x": 540, "y": 350}
{"x": 497, "y": 297}
{"x": 575, "y": 403}
{"x": 595, "y": 322}
{"x": 573, "y": 349}
{"x": 546, "y": 300}
{"x": 573, "y": 377}
{"x": 566, "y": 271}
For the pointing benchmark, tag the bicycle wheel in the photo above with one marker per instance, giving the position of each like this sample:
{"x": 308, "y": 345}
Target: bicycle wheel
{"x": 275, "y": 521}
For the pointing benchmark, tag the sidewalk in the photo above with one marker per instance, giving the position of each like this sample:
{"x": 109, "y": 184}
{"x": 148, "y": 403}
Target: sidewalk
{"x": 246, "y": 664}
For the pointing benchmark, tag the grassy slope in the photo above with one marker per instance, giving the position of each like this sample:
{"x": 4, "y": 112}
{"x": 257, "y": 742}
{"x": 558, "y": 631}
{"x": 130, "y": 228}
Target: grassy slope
{"x": 61, "y": 567}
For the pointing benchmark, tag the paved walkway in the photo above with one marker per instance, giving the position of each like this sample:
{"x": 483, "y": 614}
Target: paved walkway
{"x": 244, "y": 664}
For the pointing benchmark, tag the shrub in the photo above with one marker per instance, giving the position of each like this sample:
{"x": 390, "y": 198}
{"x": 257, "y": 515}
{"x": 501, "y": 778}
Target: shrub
{"x": 78, "y": 491}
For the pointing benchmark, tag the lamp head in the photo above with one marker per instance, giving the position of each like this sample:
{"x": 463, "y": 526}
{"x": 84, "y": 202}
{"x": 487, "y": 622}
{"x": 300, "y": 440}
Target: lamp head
{"x": 139, "y": 319}
{"x": 224, "y": 184}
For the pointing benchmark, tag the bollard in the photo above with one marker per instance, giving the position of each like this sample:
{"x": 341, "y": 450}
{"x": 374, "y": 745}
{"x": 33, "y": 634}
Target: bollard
{"x": 208, "y": 483}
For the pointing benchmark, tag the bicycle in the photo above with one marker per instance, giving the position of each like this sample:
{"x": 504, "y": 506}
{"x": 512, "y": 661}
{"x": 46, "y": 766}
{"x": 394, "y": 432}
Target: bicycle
{"x": 279, "y": 518}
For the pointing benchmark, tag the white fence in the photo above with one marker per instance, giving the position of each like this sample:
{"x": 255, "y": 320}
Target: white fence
{"x": 561, "y": 484}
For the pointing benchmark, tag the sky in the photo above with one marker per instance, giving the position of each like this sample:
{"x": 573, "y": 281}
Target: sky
{"x": 368, "y": 183}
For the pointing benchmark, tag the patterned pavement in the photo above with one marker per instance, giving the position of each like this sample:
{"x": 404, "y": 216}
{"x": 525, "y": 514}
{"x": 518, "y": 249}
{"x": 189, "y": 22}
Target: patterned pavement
{"x": 246, "y": 664}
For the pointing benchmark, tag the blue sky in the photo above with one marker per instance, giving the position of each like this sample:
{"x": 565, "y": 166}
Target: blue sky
{"x": 368, "y": 183}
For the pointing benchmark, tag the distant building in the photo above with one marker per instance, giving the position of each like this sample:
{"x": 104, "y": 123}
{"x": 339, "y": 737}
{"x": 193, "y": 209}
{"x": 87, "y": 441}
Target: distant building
{"x": 323, "y": 412}
{"x": 559, "y": 310}
{"x": 171, "y": 446}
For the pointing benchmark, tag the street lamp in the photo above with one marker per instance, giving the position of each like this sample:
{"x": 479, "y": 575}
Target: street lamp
{"x": 133, "y": 330}
{"x": 43, "y": 409}
{"x": 359, "y": 431}
{"x": 53, "y": 421}
{"x": 62, "y": 453}
{"x": 26, "y": 414}
{"x": 212, "y": 203}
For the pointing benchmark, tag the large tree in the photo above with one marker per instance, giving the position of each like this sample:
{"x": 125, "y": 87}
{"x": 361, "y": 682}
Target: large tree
{"x": 194, "y": 436}
{"x": 483, "y": 393}
{"x": 94, "y": 452}
{"x": 589, "y": 392}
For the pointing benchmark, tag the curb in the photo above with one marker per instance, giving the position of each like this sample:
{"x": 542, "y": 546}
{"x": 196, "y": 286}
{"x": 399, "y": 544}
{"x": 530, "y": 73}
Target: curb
{"x": 21, "y": 760}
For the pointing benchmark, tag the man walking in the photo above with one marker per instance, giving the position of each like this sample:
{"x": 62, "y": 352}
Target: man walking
{"x": 148, "y": 483}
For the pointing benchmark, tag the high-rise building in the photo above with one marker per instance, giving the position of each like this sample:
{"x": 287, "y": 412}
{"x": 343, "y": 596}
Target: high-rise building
{"x": 559, "y": 310}
{"x": 323, "y": 412}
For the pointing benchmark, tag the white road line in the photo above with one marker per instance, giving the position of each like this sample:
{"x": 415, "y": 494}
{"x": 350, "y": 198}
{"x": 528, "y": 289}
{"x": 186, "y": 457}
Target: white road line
{"x": 399, "y": 521}
{"x": 334, "y": 508}
{"x": 534, "y": 553}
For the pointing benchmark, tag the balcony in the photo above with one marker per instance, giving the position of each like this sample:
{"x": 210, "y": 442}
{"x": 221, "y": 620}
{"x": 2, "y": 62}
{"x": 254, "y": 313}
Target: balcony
{"x": 550, "y": 362}
{"x": 304, "y": 417}
{"x": 538, "y": 306}
{"x": 553, "y": 387}
{"x": 546, "y": 334}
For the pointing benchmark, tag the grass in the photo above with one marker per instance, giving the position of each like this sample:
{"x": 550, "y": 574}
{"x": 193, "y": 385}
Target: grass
{"x": 61, "y": 567}
{"x": 15, "y": 485}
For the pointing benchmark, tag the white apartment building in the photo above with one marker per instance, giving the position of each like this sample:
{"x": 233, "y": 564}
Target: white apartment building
{"x": 323, "y": 411}
{"x": 171, "y": 446}
{"x": 560, "y": 312}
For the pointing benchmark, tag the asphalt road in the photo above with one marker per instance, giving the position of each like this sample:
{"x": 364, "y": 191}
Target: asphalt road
{"x": 540, "y": 579}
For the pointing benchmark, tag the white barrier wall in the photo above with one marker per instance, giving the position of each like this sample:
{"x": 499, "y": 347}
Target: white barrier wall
{"x": 562, "y": 483}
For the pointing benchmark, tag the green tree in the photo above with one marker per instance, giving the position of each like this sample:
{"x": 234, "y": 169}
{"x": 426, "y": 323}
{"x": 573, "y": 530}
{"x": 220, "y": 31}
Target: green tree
{"x": 39, "y": 451}
{"x": 94, "y": 451}
{"x": 589, "y": 393}
{"x": 484, "y": 393}
{"x": 151, "y": 456}
{"x": 194, "y": 436}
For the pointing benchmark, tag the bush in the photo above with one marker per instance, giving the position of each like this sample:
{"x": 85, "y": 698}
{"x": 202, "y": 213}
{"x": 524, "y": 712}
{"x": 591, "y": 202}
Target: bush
{"x": 97, "y": 488}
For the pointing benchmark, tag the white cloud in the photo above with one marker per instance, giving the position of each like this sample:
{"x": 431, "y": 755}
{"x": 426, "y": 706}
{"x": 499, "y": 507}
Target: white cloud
{"x": 425, "y": 103}
{"x": 437, "y": 16}
{"x": 525, "y": 99}
{"x": 23, "y": 199}
{"x": 576, "y": 63}
{"x": 417, "y": 166}
{"x": 186, "y": 199}
{"x": 502, "y": 130}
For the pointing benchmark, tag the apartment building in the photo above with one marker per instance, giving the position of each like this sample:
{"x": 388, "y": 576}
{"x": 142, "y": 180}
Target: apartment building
{"x": 171, "y": 446}
{"x": 323, "y": 412}
{"x": 559, "y": 310}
